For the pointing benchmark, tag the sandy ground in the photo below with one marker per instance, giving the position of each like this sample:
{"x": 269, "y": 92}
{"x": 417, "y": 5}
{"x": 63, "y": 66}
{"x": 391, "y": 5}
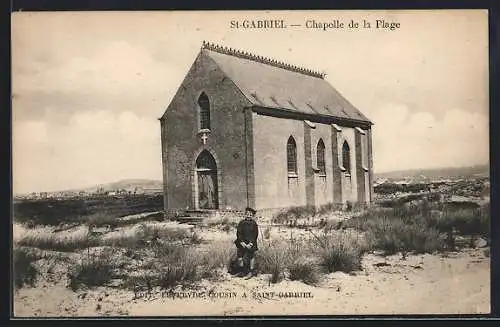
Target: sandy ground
{"x": 457, "y": 283}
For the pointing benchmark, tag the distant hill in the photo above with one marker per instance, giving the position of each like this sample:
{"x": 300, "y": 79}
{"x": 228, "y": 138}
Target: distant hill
{"x": 450, "y": 172}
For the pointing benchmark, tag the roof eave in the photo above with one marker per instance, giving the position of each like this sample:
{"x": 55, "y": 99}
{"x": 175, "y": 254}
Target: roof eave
{"x": 287, "y": 113}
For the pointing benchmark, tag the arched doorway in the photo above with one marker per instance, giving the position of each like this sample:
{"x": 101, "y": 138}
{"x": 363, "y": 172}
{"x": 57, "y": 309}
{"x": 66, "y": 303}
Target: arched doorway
{"x": 206, "y": 188}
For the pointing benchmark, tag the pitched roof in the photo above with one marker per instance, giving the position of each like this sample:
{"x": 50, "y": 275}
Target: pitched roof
{"x": 271, "y": 84}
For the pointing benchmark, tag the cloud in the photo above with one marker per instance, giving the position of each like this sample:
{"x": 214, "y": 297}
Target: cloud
{"x": 406, "y": 140}
{"x": 87, "y": 99}
{"x": 95, "y": 147}
{"x": 118, "y": 76}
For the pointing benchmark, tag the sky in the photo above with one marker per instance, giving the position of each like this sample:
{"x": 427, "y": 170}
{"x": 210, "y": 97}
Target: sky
{"x": 88, "y": 88}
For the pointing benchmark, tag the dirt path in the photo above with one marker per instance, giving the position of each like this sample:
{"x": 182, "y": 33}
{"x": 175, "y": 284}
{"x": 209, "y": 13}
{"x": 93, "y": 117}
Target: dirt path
{"x": 425, "y": 284}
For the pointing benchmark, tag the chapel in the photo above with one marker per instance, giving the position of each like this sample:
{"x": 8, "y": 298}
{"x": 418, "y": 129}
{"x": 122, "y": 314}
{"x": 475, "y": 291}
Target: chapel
{"x": 245, "y": 130}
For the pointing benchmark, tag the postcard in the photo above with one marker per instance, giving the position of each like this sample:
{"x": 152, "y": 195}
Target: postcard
{"x": 250, "y": 163}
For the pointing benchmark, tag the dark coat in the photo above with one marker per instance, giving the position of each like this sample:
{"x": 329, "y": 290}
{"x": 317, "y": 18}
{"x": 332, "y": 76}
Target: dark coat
{"x": 247, "y": 231}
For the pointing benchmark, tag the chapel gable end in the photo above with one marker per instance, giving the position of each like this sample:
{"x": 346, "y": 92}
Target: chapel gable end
{"x": 205, "y": 84}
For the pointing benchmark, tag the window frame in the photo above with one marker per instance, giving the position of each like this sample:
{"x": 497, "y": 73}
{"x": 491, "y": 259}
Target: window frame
{"x": 204, "y": 114}
{"x": 346, "y": 164}
{"x": 321, "y": 165}
{"x": 291, "y": 158}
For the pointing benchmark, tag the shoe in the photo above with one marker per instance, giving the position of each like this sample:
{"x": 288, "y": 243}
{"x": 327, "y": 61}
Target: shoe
{"x": 250, "y": 275}
{"x": 240, "y": 274}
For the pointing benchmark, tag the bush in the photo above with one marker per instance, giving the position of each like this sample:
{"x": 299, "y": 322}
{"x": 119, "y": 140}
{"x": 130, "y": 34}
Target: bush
{"x": 66, "y": 241}
{"x": 293, "y": 214}
{"x": 404, "y": 228}
{"x": 328, "y": 208}
{"x": 177, "y": 264}
{"x": 394, "y": 235}
{"x": 218, "y": 255}
{"x": 164, "y": 232}
{"x": 179, "y": 270}
{"x": 304, "y": 270}
{"x": 222, "y": 222}
{"x": 391, "y": 188}
{"x": 95, "y": 269}
{"x": 195, "y": 238}
{"x": 367, "y": 219}
{"x": 470, "y": 221}
{"x": 267, "y": 233}
{"x": 129, "y": 238}
{"x": 144, "y": 234}
{"x": 340, "y": 251}
{"x": 25, "y": 272}
{"x": 273, "y": 259}
{"x": 172, "y": 268}
{"x": 466, "y": 222}
{"x": 276, "y": 257}
{"x": 331, "y": 224}
{"x": 100, "y": 219}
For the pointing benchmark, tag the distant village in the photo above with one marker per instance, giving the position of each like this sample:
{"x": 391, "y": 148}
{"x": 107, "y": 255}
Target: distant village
{"x": 99, "y": 192}
{"x": 458, "y": 186}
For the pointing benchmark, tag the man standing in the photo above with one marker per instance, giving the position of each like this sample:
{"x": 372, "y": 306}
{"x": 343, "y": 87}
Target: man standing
{"x": 246, "y": 241}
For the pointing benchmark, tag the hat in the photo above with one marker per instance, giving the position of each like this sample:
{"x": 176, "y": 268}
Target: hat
{"x": 252, "y": 210}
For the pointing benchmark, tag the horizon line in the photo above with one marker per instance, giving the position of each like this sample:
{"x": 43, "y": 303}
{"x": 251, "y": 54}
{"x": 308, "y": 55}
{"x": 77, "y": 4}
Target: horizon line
{"x": 79, "y": 188}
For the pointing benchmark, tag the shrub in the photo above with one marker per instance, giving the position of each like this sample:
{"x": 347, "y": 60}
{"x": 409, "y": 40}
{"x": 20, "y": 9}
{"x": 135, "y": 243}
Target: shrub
{"x": 485, "y": 221}
{"x": 218, "y": 255}
{"x": 164, "y": 232}
{"x": 25, "y": 272}
{"x": 393, "y": 235}
{"x": 304, "y": 270}
{"x": 181, "y": 271}
{"x": 127, "y": 238}
{"x": 140, "y": 282}
{"x": 404, "y": 228}
{"x": 331, "y": 224}
{"x": 195, "y": 238}
{"x": 276, "y": 257}
{"x": 95, "y": 269}
{"x": 340, "y": 251}
{"x": 348, "y": 206}
{"x": 67, "y": 241}
{"x": 391, "y": 188}
{"x": 466, "y": 222}
{"x": 267, "y": 233}
{"x": 100, "y": 219}
{"x": 293, "y": 214}
{"x": 224, "y": 221}
{"x": 144, "y": 234}
{"x": 328, "y": 208}
{"x": 176, "y": 264}
{"x": 470, "y": 221}
{"x": 367, "y": 219}
{"x": 273, "y": 259}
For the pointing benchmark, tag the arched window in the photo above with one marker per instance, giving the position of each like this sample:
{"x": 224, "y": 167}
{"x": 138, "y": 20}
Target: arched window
{"x": 346, "y": 157}
{"x": 320, "y": 157}
{"x": 204, "y": 105}
{"x": 291, "y": 155}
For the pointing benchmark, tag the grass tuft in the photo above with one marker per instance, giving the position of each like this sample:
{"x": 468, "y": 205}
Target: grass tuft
{"x": 340, "y": 251}
{"x": 25, "y": 273}
{"x": 304, "y": 270}
{"x": 66, "y": 241}
{"x": 95, "y": 269}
